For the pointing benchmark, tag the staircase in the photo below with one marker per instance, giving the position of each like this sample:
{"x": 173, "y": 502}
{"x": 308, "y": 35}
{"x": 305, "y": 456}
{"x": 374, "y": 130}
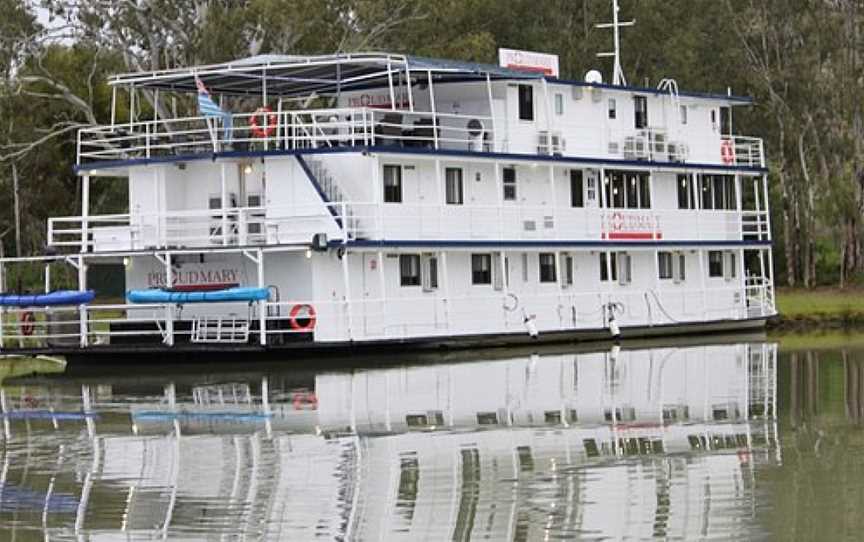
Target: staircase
{"x": 334, "y": 197}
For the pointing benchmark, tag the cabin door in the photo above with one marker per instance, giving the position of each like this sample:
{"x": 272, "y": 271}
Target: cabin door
{"x": 372, "y": 309}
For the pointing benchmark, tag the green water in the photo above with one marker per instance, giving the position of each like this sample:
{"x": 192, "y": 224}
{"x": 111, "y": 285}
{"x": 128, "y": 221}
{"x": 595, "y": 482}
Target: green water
{"x": 741, "y": 438}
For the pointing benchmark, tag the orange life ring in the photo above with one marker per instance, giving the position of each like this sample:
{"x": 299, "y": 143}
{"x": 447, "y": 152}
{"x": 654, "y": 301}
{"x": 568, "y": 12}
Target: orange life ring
{"x": 28, "y": 323}
{"x": 270, "y": 122}
{"x": 294, "y": 316}
{"x": 304, "y": 400}
{"x": 727, "y": 152}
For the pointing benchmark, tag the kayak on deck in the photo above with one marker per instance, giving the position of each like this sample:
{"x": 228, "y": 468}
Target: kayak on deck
{"x": 58, "y": 297}
{"x": 155, "y": 295}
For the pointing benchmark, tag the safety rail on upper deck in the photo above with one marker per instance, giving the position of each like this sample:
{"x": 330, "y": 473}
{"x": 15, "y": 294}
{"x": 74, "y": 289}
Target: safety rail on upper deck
{"x": 742, "y": 151}
{"x": 300, "y": 129}
{"x": 347, "y": 221}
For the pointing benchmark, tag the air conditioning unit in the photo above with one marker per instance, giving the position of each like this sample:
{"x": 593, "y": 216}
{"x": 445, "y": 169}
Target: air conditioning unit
{"x": 550, "y": 143}
{"x": 576, "y": 92}
{"x": 614, "y": 148}
{"x": 678, "y": 152}
{"x": 658, "y": 147}
{"x": 596, "y": 95}
{"x": 529, "y": 225}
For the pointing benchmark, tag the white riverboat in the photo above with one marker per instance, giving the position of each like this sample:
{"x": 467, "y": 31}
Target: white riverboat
{"x": 385, "y": 199}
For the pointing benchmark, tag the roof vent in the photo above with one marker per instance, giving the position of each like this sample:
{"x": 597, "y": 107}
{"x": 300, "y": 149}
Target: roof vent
{"x": 594, "y": 77}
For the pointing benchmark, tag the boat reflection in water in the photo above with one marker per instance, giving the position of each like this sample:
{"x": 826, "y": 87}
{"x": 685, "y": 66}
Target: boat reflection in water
{"x": 621, "y": 443}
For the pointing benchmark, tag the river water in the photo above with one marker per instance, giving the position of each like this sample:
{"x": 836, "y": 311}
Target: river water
{"x": 725, "y": 438}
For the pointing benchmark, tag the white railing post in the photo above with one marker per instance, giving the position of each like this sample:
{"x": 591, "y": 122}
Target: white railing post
{"x": 169, "y": 324}
{"x": 147, "y": 140}
{"x": 82, "y": 308}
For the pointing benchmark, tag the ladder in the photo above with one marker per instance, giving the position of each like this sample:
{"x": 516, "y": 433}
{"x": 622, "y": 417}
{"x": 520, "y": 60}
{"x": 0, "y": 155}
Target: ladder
{"x": 220, "y": 330}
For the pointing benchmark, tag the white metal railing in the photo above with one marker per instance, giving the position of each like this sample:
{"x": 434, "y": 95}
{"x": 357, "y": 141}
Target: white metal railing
{"x": 344, "y": 221}
{"x": 490, "y": 310}
{"x": 301, "y": 129}
{"x": 745, "y": 151}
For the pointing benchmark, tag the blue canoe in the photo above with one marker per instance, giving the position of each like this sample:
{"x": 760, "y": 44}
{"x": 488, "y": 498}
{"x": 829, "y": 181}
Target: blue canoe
{"x": 208, "y": 296}
{"x": 59, "y": 297}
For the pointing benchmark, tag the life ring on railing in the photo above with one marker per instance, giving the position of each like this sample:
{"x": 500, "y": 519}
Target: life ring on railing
{"x": 28, "y": 323}
{"x": 727, "y": 152}
{"x": 271, "y": 120}
{"x": 304, "y": 400}
{"x": 305, "y": 322}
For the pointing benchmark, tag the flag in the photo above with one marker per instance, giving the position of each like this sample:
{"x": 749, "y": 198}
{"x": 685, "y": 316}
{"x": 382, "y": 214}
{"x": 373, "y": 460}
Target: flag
{"x": 208, "y": 108}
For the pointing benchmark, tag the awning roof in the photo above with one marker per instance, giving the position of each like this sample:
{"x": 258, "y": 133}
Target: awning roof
{"x": 297, "y": 75}
{"x": 291, "y": 75}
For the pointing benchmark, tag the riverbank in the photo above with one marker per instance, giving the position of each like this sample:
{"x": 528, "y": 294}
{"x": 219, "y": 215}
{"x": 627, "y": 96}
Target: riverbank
{"x": 820, "y": 308}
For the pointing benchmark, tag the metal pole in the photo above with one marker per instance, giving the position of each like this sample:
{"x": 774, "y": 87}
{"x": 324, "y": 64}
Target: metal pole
{"x": 390, "y": 84}
{"x": 82, "y": 308}
{"x": 169, "y": 308}
{"x": 493, "y": 146}
{"x": 224, "y": 197}
{"x": 262, "y": 305}
{"x": 347, "y": 281}
{"x": 85, "y": 213}
{"x": 408, "y": 83}
{"x": 433, "y": 108}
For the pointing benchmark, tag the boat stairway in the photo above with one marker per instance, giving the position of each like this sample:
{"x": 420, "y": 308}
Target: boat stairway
{"x": 335, "y": 197}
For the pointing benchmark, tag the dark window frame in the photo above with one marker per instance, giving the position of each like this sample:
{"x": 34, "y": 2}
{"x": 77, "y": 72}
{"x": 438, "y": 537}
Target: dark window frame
{"x": 577, "y": 188}
{"x": 392, "y": 183}
{"x": 454, "y": 194}
{"x": 410, "y": 270}
{"x": 526, "y": 102}
{"x": 548, "y": 267}
{"x": 508, "y": 183}
{"x": 481, "y": 269}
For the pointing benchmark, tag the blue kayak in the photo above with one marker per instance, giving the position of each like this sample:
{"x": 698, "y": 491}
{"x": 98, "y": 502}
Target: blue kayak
{"x": 155, "y": 295}
{"x": 59, "y": 297}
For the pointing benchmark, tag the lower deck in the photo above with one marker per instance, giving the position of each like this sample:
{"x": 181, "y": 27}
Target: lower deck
{"x": 344, "y": 297}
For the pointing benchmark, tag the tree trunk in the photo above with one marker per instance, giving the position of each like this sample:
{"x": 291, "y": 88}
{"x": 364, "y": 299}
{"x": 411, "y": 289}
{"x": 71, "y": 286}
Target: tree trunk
{"x": 16, "y": 204}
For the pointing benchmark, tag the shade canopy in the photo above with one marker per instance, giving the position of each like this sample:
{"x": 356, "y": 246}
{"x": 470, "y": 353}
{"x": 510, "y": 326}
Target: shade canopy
{"x": 292, "y": 75}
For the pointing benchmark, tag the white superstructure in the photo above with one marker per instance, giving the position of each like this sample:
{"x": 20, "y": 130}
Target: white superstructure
{"x": 398, "y": 198}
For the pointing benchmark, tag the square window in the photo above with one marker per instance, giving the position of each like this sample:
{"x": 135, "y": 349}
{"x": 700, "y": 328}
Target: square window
{"x": 453, "y": 186}
{"x": 481, "y": 269}
{"x": 613, "y": 112}
{"x": 392, "y": 184}
{"x": 409, "y": 270}
{"x": 547, "y": 267}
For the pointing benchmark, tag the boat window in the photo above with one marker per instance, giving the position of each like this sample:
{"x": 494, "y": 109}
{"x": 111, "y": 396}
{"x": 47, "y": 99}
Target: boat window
{"x": 392, "y": 184}
{"x": 682, "y": 114}
{"x": 628, "y": 190}
{"x": 611, "y": 269}
{"x": 547, "y": 267}
{"x": 640, "y": 106}
{"x": 509, "y": 183}
{"x": 481, "y": 269}
{"x": 680, "y": 265}
{"x": 524, "y": 267}
{"x": 718, "y": 192}
{"x": 664, "y": 265}
{"x": 409, "y": 270}
{"x": 686, "y": 194}
{"x": 577, "y": 193}
{"x": 715, "y": 263}
{"x": 726, "y": 120}
{"x": 568, "y": 269}
{"x": 453, "y": 186}
{"x": 730, "y": 270}
{"x": 613, "y": 113}
{"x": 526, "y": 102}
{"x": 625, "y": 275}
{"x": 429, "y": 272}
{"x": 559, "y": 104}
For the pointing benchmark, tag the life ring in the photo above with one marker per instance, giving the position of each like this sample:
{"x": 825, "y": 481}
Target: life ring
{"x": 304, "y": 400}
{"x": 270, "y": 122}
{"x": 617, "y": 221}
{"x": 28, "y": 323}
{"x": 511, "y": 302}
{"x": 295, "y": 318}
{"x": 727, "y": 152}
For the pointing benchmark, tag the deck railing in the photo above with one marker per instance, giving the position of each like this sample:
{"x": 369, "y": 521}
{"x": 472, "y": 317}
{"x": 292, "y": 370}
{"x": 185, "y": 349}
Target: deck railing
{"x": 745, "y": 151}
{"x": 346, "y": 221}
{"x": 301, "y": 129}
{"x": 430, "y": 314}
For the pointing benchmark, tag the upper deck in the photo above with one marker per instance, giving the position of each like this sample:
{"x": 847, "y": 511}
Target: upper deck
{"x": 384, "y": 100}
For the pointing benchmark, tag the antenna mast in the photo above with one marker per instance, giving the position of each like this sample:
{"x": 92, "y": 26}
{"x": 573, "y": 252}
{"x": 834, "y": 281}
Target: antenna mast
{"x": 615, "y": 25}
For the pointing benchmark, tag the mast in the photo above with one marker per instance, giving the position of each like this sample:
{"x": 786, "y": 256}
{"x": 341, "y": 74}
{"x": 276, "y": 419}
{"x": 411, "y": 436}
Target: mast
{"x": 617, "y": 73}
